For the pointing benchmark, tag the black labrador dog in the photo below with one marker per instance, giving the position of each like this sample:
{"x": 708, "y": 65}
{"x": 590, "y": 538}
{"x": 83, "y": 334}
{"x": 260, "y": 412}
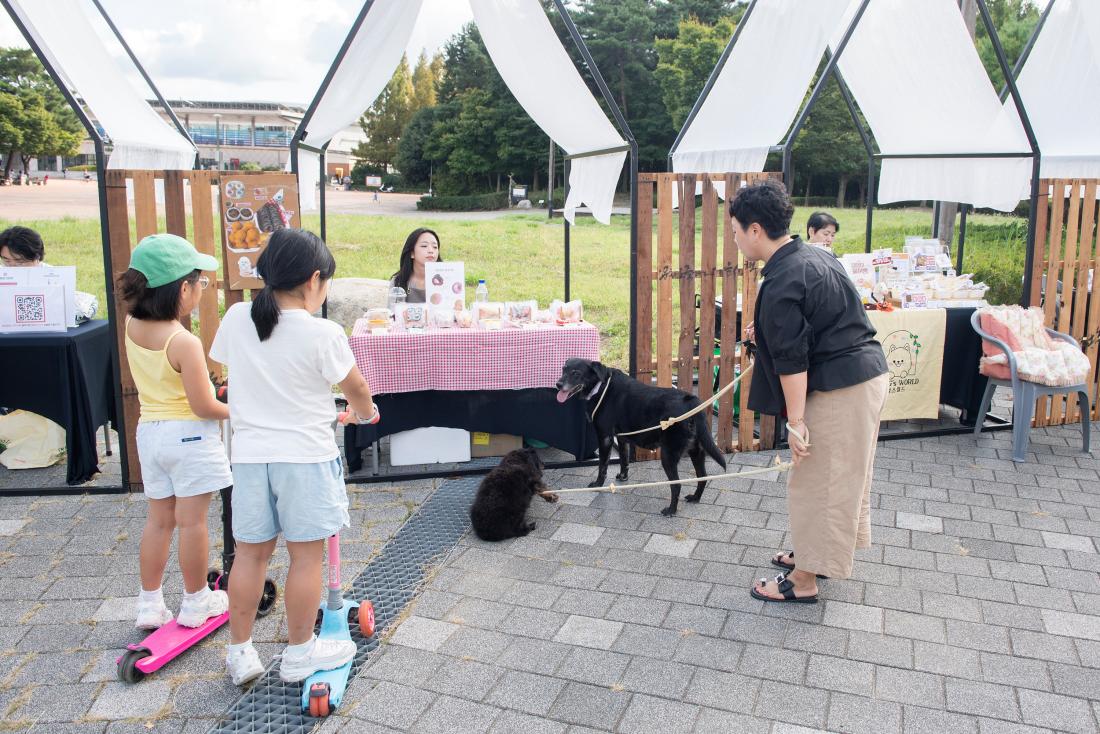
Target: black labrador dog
{"x": 505, "y": 494}
{"x": 618, "y": 403}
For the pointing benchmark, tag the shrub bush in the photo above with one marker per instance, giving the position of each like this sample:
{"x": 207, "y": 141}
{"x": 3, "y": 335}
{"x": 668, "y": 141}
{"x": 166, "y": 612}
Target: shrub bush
{"x": 475, "y": 203}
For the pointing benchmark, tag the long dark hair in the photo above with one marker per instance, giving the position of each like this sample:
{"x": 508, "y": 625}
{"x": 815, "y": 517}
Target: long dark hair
{"x": 401, "y": 277}
{"x": 290, "y": 259}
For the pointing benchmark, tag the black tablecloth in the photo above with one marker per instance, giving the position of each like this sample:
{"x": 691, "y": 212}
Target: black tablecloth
{"x": 532, "y": 413}
{"x": 65, "y": 377}
{"x": 961, "y": 385}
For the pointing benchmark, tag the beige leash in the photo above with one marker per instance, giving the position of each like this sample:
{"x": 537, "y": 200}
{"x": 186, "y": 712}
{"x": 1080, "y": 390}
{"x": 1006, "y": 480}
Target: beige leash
{"x": 613, "y": 488}
{"x": 666, "y": 424}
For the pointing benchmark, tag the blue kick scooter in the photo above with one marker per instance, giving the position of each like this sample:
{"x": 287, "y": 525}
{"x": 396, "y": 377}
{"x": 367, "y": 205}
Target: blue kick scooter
{"x": 323, "y": 691}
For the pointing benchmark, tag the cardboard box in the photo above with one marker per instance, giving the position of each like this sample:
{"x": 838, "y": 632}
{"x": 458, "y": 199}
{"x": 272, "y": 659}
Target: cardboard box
{"x": 429, "y": 446}
{"x": 493, "y": 444}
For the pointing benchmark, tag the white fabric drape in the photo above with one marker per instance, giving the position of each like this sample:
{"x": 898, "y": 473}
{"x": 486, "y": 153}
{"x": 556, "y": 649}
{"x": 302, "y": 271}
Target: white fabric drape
{"x": 1064, "y": 67}
{"x": 758, "y": 93}
{"x": 917, "y": 77}
{"x": 63, "y": 31}
{"x": 544, "y": 80}
{"x": 360, "y": 78}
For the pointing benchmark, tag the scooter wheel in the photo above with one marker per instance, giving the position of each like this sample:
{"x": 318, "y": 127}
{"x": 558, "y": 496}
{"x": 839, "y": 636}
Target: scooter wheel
{"x": 267, "y": 599}
{"x": 212, "y": 576}
{"x": 319, "y": 701}
{"x": 365, "y": 616}
{"x": 128, "y": 672}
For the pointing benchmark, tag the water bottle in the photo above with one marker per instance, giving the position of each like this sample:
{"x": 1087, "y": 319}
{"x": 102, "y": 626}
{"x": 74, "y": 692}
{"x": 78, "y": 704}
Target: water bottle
{"x": 481, "y": 295}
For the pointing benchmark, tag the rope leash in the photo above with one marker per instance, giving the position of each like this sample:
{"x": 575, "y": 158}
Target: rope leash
{"x": 614, "y": 488}
{"x": 666, "y": 424}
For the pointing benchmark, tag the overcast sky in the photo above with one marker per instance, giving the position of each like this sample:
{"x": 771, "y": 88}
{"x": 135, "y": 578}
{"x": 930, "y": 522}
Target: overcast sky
{"x": 249, "y": 50}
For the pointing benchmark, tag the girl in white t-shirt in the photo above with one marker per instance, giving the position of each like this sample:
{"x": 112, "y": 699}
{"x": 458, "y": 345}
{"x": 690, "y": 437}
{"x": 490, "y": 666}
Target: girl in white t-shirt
{"x": 287, "y": 474}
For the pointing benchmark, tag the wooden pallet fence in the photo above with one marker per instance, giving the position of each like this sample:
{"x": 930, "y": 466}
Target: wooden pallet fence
{"x": 197, "y": 224}
{"x": 688, "y": 252}
{"x": 1066, "y": 253}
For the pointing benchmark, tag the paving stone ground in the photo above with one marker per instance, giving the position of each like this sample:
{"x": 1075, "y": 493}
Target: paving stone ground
{"x": 976, "y": 610}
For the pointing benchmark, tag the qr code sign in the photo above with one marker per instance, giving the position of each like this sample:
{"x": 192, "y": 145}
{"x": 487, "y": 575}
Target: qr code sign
{"x": 30, "y": 309}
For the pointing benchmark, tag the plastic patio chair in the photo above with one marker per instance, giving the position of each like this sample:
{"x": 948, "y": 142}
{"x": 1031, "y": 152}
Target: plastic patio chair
{"x": 1024, "y": 395}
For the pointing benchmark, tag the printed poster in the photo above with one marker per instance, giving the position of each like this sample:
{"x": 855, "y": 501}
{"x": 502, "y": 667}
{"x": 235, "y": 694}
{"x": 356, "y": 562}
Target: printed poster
{"x": 253, "y": 207}
{"x": 30, "y": 308}
{"x": 912, "y": 341}
{"x": 63, "y": 276}
{"x": 445, "y": 285}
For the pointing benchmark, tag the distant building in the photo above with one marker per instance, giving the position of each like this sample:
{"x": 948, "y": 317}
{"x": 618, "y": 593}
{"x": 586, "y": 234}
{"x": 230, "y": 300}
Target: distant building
{"x": 249, "y": 132}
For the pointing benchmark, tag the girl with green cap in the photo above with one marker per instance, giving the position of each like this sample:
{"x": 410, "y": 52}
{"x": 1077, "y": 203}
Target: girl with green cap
{"x": 179, "y": 441}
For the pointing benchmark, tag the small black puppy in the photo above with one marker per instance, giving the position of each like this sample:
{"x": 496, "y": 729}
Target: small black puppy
{"x": 617, "y": 403}
{"x": 505, "y": 494}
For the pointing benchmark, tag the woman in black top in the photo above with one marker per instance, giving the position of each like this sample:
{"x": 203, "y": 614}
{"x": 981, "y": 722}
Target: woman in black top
{"x": 818, "y": 363}
{"x": 421, "y": 247}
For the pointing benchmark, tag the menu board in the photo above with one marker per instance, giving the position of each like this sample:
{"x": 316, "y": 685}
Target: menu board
{"x": 252, "y": 208}
{"x": 445, "y": 285}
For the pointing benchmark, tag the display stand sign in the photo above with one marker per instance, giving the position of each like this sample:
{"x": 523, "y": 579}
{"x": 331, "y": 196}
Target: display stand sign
{"x": 37, "y": 299}
{"x": 252, "y": 208}
{"x": 912, "y": 341}
{"x": 445, "y": 285}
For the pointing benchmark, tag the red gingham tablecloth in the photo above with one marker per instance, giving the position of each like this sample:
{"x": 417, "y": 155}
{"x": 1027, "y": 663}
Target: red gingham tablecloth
{"x": 469, "y": 359}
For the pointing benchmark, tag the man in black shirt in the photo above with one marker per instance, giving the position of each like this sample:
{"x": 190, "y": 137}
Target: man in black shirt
{"x": 817, "y": 362}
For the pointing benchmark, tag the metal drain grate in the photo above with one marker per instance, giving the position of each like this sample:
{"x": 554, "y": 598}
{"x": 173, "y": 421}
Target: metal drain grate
{"x": 390, "y": 582}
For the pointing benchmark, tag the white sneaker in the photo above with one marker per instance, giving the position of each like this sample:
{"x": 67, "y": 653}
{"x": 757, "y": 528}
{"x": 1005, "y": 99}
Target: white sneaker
{"x": 322, "y": 655}
{"x": 152, "y": 615}
{"x": 194, "y": 614}
{"x": 243, "y": 665}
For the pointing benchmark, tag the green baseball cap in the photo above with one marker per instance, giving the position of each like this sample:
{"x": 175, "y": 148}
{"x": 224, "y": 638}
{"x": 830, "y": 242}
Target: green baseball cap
{"x": 164, "y": 258}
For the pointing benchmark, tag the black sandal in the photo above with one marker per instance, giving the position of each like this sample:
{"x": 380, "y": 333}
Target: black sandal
{"x": 786, "y": 588}
{"x": 788, "y": 566}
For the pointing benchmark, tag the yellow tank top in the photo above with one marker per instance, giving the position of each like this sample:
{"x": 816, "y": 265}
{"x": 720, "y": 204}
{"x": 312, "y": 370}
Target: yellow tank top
{"x": 159, "y": 386}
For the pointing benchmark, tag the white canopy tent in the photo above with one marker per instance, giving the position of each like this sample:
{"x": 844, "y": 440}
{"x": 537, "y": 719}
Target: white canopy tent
{"x": 62, "y": 33}
{"x": 931, "y": 107}
{"x": 551, "y": 91}
{"x": 1064, "y": 64}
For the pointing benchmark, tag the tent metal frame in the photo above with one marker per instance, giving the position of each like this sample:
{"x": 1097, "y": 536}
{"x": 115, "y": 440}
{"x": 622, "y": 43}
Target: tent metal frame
{"x": 297, "y": 143}
{"x": 832, "y": 69}
{"x": 100, "y": 143}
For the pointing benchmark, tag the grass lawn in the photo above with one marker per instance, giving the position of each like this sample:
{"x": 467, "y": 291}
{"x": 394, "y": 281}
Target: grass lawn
{"x": 521, "y": 256}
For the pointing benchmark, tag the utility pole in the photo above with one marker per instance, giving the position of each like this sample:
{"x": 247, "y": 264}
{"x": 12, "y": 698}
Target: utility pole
{"x": 948, "y": 210}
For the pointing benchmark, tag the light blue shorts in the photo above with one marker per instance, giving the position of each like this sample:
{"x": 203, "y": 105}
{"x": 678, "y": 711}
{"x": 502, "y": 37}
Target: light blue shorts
{"x": 304, "y": 502}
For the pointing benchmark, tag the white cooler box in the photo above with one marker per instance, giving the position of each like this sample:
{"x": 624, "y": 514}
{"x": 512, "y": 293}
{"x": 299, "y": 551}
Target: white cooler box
{"x": 429, "y": 446}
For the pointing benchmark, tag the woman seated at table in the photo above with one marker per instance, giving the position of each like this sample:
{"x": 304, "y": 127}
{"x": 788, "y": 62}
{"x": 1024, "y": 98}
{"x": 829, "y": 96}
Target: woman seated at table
{"x": 421, "y": 247}
{"x": 821, "y": 230}
{"x": 21, "y": 247}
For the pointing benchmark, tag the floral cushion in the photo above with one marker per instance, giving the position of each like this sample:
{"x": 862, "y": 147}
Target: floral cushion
{"x": 1039, "y": 358}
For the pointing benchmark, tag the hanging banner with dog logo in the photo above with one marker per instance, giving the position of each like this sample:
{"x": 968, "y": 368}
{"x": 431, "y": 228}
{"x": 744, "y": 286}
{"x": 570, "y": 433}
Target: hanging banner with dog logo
{"x": 253, "y": 207}
{"x": 912, "y": 340}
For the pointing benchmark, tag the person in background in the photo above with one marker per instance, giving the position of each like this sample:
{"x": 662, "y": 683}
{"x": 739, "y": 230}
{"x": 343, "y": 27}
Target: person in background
{"x": 821, "y": 230}
{"x": 421, "y": 247}
{"x": 818, "y": 363}
{"x": 21, "y": 247}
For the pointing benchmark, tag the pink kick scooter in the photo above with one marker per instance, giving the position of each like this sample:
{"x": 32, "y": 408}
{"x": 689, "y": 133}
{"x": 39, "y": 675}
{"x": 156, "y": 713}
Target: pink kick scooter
{"x": 172, "y": 640}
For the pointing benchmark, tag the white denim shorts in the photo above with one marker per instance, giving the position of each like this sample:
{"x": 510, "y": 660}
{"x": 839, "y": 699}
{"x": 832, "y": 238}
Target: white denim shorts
{"x": 182, "y": 458}
{"x": 304, "y": 502}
